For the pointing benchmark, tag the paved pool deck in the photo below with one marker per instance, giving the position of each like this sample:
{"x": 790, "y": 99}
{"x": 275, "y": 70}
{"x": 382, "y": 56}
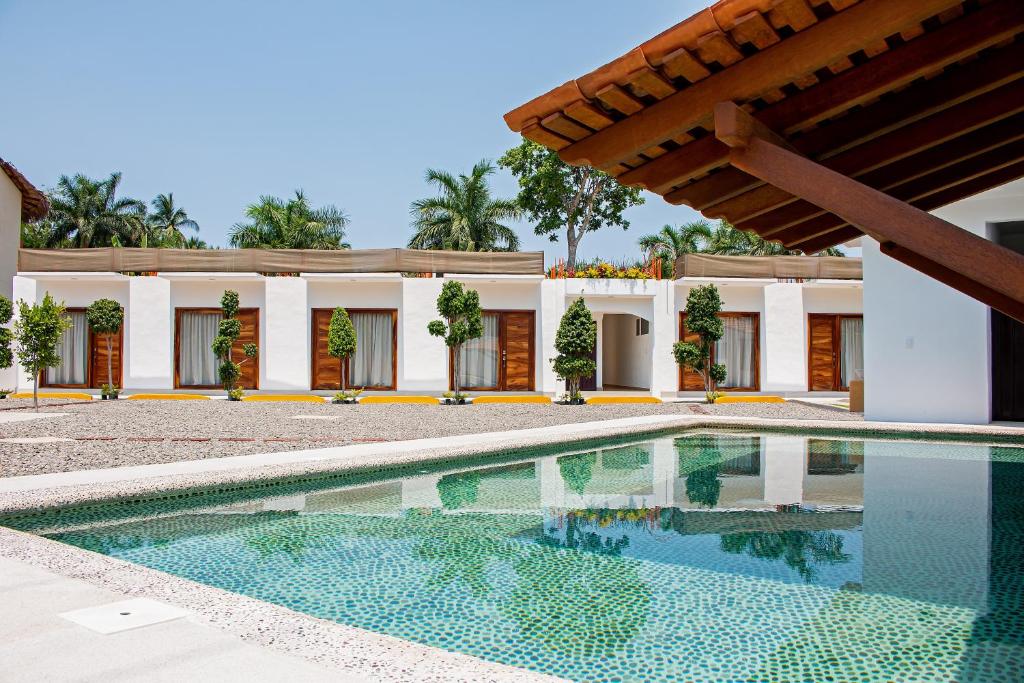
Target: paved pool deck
{"x": 40, "y": 578}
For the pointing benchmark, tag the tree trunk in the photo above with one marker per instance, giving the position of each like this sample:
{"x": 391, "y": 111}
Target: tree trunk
{"x": 455, "y": 370}
{"x": 110, "y": 362}
{"x": 572, "y": 242}
{"x": 35, "y": 391}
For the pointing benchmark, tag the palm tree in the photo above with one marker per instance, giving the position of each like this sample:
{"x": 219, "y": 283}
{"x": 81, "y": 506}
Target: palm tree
{"x": 727, "y": 240}
{"x": 463, "y": 216}
{"x": 168, "y": 221}
{"x": 88, "y": 213}
{"x": 292, "y": 224}
{"x": 670, "y": 243}
{"x": 195, "y": 243}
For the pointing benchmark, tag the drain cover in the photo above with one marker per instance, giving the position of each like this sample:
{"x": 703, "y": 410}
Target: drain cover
{"x": 125, "y": 615}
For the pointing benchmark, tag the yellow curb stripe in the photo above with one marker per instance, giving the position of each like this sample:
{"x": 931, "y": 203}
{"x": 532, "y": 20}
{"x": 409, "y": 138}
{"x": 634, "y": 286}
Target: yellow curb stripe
{"x": 750, "y": 399}
{"x": 607, "y": 400}
{"x": 168, "y": 397}
{"x": 511, "y": 399}
{"x": 280, "y": 398}
{"x": 399, "y": 399}
{"x": 55, "y": 394}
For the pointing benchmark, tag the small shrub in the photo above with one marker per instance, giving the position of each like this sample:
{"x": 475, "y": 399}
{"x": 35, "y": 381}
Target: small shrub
{"x": 109, "y": 391}
{"x": 229, "y": 330}
{"x": 341, "y": 341}
{"x": 702, "y": 308}
{"x": 575, "y": 342}
{"x": 347, "y": 396}
{"x": 463, "y": 320}
{"x": 452, "y": 398}
{"x": 235, "y": 394}
{"x": 36, "y": 335}
{"x": 105, "y": 318}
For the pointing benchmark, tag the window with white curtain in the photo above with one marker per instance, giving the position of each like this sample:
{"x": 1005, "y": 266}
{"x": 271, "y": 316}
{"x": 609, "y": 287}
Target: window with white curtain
{"x": 197, "y": 364}
{"x": 851, "y": 350}
{"x": 736, "y": 350}
{"x": 372, "y": 365}
{"x": 73, "y": 350}
{"x": 478, "y": 362}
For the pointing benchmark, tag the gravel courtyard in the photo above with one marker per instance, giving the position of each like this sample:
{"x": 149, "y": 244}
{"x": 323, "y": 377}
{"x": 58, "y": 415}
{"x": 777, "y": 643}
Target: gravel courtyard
{"x": 99, "y": 434}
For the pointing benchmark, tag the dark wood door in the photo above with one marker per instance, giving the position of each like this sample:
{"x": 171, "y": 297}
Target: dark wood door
{"x": 822, "y": 352}
{"x": 517, "y": 351}
{"x": 98, "y": 358}
{"x": 326, "y": 372}
{"x": 689, "y": 380}
{"x": 1007, "y": 368}
{"x": 250, "y": 377}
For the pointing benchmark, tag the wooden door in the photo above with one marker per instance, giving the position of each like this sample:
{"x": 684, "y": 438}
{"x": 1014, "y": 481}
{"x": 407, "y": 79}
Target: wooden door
{"x": 517, "y": 351}
{"x": 98, "y": 358}
{"x": 689, "y": 380}
{"x": 326, "y": 372}
{"x": 250, "y": 319}
{"x": 823, "y": 351}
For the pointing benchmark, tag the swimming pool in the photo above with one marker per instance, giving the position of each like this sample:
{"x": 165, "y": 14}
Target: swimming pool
{"x": 703, "y": 556}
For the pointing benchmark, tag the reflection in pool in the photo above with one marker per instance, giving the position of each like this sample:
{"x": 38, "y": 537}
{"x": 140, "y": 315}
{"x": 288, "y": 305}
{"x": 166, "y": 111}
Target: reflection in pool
{"x": 703, "y": 557}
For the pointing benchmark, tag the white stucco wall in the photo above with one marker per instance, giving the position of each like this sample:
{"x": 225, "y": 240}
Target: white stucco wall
{"x": 285, "y": 356}
{"x": 149, "y": 334}
{"x": 10, "y": 238}
{"x": 927, "y": 347}
{"x": 23, "y": 289}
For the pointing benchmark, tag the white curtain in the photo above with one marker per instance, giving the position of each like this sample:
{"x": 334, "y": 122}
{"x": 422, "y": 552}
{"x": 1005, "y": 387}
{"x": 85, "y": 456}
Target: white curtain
{"x": 851, "y": 346}
{"x": 736, "y": 351}
{"x": 372, "y": 363}
{"x": 478, "y": 363}
{"x": 73, "y": 352}
{"x": 197, "y": 364}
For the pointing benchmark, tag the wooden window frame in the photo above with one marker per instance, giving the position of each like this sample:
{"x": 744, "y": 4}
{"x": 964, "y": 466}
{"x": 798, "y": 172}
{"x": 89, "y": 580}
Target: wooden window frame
{"x": 756, "y": 315}
{"x": 177, "y": 344}
{"x": 348, "y": 361}
{"x": 89, "y": 350}
{"x": 837, "y": 374}
{"x": 500, "y": 312}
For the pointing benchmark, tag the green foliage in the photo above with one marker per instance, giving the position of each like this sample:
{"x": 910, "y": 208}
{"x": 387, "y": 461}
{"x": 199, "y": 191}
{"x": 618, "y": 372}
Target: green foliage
{"x": 703, "y": 305}
{"x": 671, "y": 243}
{"x": 293, "y": 224}
{"x": 341, "y": 340}
{"x": 235, "y": 394}
{"x": 88, "y": 213}
{"x": 464, "y": 217}
{"x": 228, "y": 331}
{"x": 167, "y": 222}
{"x": 36, "y": 335}
{"x": 106, "y": 317}
{"x": 6, "y": 311}
{"x": 575, "y": 342}
{"x": 577, "y": 470}
{"x": 458, "y": 490}
{"x": 346, "y": 396}
{"x": 463, "y": 320}
{"x": 561, "y": 197}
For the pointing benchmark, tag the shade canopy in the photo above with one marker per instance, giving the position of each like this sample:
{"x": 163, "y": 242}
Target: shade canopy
{"x": 811, "y": 122}
{"x": 34, "y": 204}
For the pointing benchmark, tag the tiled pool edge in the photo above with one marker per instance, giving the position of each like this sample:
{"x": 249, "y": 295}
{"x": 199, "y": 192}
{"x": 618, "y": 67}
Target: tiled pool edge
{"x": 349, "y": 650}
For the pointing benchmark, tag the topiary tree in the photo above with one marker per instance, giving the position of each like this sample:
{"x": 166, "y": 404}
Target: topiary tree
{"x": 36, "y": 335}
{"x": 105, "y": 317}
{"x": 341, "y": 341}
{"x": 229, "y": 331}
{"x": 575, "y": 342}
{"x": 463, "y": 320}
{"x": 702, "y": 308}
{"x": 6, "y": 311}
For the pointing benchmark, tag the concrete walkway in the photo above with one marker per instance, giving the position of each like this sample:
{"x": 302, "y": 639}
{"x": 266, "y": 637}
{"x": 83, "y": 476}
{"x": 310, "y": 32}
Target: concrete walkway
{"x": 38, "y": 645}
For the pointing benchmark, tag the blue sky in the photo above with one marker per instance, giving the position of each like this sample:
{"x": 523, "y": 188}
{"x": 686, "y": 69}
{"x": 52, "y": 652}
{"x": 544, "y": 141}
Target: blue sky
{"x": 220, "y": 101}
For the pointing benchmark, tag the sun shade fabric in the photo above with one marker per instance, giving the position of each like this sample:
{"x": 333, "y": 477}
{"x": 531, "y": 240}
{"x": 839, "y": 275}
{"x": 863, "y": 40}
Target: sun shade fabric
{"x": 197, "y": 364}
{"x": 478, "y": 361}
{"x": 132, "y": 260}
{"x": 773, "y": 267}
{"x": 73, "y": 351}
{"x": 851, "y": 343}
{"x": 736, "y": 351}
{"x": 372, "y": 364}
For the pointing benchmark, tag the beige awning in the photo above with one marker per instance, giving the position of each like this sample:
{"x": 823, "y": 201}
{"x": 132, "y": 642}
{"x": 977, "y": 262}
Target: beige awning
{"x": 777, "y": 267}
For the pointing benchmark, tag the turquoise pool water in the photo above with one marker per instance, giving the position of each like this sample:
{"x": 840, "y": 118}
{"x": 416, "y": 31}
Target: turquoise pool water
{"x": 702, "y": 557}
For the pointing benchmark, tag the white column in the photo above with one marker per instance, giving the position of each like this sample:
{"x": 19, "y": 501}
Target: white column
{"x": 785, "y": 338}
{"x": 665, "y": 470}
{"x": 552, "y": 486}
{"x": 149, "y": 334}
{"x": 552, "y": 308}
{"x": 24, "y": 289}
{"x": 664, "y": 372}
{"x": 423, "y": 359}
{"x": 284, "y": 358}
{"x": 421, "y": 492}
{"x": 785, "y": 464}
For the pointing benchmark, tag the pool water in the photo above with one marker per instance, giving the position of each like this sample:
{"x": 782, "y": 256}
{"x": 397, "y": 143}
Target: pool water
{"x": 701, "y": 557}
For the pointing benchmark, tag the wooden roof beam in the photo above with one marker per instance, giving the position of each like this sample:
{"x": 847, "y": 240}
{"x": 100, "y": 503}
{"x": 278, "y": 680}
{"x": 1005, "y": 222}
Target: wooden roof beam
{"x": 910, "y": 105}
{"x": 803, "y": 53}
{"x": 985, "y": 268}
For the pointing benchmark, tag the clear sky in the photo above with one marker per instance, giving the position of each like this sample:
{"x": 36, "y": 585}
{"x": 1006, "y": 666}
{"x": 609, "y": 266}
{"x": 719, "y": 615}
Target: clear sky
{"x": 220, "y": 101}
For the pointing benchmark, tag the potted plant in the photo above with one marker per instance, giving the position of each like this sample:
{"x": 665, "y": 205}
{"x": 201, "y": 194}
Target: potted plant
{"x": 105, "y": 317}
{"x": 454, "y": 398}
{"x": 109, "y": 392}
{"x": 4, "y": 393}
{"x": 229, "y": 330}
{"x": 347, "y": 396}
{"x": 235, "y": 394}
{"x": 463, "y": 320}
{"x": 575, "y": 342}
{"x": 341, "y": 342}
{"x": 702, "y": 308}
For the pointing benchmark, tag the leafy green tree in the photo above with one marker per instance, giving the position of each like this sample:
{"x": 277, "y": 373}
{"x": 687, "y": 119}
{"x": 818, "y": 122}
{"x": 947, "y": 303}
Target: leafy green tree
{"x": 293, "y": 224}
{"x": 195, "y": 243}
{"x": 168, "y": 222}
{"x": 670, "y": 243}
{"x": 463, "y": 320}
{"x": 39, "y": 235}
{"x": 6, "y": 311}
{"x": 341, "y": 341}
{"x": 567, "y": 198}
{"x": 464, "y": 216}
{"x": 105, "y": 317}
{"x": 88, "y": 213}
{"x": 575, "y": 342}
{"x": 577, "y": 470}
{"x": 229, "y": 331}
{"x": 702, "y": 308}
{"x": 37, "y": 332}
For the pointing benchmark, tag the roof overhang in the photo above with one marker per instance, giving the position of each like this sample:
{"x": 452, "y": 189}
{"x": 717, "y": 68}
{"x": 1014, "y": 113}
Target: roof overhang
{"x": 34, "y": 204}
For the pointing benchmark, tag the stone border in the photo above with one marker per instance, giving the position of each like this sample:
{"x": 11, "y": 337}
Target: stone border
{"x": 348, "y": 649}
